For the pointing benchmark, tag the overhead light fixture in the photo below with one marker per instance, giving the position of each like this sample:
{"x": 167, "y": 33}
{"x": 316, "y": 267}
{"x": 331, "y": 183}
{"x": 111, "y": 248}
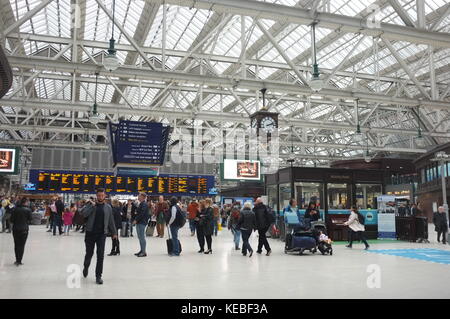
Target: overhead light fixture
{"x": 420, "y": 140}
{"x": 358, "y": 134}
{"x": 94, "y": 118}
{"x": 367, "y": 157}
{"x": 111, "y": 62}
{"x": 316, "y": 84}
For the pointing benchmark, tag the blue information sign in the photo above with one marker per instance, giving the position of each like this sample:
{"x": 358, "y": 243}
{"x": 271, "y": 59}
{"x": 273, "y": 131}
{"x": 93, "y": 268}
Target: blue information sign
{"x": 138, "y": 143}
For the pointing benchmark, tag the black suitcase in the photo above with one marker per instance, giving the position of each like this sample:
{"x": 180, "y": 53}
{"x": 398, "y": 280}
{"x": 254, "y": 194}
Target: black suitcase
{"x": 170, "y": 246}
{"x": 169, "y": 243}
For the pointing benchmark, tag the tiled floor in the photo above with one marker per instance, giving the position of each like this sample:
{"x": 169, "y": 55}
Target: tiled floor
{"x": 224, "y": 274}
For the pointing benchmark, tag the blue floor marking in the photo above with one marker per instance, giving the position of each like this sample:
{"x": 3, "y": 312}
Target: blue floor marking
{"x": 426, "y": 254}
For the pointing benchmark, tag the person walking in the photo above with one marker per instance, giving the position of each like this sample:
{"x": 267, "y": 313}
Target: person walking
{"x": 247, "y": 224}
{"x": 8, "y": 205}
{"x": 174, "y": 225}
{"x": 100, "y": 222}
{"x": 232, "y": 225}
{"x": 356, "y": 225}
{"x": 57, "y": 217}
{"x": 117, "y": 216}
{"x": 206, "y": 226}
{"x": 440, "y": 224}
{"x": 68, "y": 219}
{"x": 216, "y": 218}
{"x": 193, "y": 211}
{"x": 78, "y": 220}
{"x": 161, "y": 209}
{"x": 20, "y": 219}
{"x": 141, "y": 221}
{"x": 2, "y": 213}
{"x": 263, "y": 222}
{"x": 47, "y": 214}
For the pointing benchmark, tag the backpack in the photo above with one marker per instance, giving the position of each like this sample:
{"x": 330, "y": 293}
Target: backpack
{"x": 180, "y": 217}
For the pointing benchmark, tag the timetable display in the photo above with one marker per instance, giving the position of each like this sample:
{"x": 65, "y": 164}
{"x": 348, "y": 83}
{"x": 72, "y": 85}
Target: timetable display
{"x": 88, "y": 182}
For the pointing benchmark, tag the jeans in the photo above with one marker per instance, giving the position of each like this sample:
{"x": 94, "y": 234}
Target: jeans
{"x": 262, "y": 240}
{"x": 245, "y": 238}
{"x": 20, "y": 238}
{"x": 131, "y": 228}
{"x": 192, "y": 225}
{"x": 140, "y": 229}
{"x": 66, "y": 229}
{"x": 361, "y": 236}
{"x": 57, "y": 222}
{"x": 91, "y": 240}
{"x": 237, "y": 236}
{"x": 174, "y": 234}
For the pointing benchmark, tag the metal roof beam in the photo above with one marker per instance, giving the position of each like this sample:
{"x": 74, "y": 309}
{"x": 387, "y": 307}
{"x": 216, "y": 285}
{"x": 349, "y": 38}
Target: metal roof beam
{"x": 277, "y": 12}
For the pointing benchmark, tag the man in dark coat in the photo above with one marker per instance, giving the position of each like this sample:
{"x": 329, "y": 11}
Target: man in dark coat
{"x": 20, "y": 219}
{"x": 441, "y": 224}
{"x": 58, "y": 216}
{"x": 263, "y": 222}
{"x": 100, "y": 222}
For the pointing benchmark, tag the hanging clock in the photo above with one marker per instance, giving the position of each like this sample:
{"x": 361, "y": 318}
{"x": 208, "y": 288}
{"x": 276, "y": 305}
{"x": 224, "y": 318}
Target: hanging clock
{"x": 268, "y": 124}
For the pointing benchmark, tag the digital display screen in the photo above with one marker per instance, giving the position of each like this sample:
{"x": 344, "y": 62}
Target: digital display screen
{"x": 7, "y": 160}
{"x": 79, "y": 182}
{"x": 241, "y": 170}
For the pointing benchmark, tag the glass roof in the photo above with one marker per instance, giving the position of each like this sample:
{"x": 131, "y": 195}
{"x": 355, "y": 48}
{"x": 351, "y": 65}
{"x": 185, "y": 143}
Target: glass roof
{"x": 222, "y": 53}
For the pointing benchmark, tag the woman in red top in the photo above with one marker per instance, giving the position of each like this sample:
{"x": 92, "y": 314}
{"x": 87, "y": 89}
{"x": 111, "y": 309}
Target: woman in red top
{"x": 192, "y": 214}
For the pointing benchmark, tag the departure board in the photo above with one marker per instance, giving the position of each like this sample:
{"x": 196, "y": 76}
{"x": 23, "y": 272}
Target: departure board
{"x": 152, "y": 185}
{"x": 77, "y": 182}
{"x": 55, "y": 181}
{"x": 141, "y": 186}
{"x": 43, "y": 181}
{"x": 88, "y": 182}
{"x": 109, "y": 184}
{"x": 132, "y": 185}
{"x": 100, "y": 181}
{"x": 121, "y": 184}
{"x": 173, "y": 185}
{"x": 163, "y": 185}
{"x": 66, "y": 182}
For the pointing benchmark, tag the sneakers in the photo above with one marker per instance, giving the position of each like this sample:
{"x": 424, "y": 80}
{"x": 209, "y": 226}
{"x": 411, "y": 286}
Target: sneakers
{"x": 99, "y": 281}
{"x": 251, "y": 254}
{"x": 269, "y": 252}
{"x": 367, "y": 247}
{"x": 142, "y": 255}
{"x": 85, "y": 272}
{"x": 259, "y": 252}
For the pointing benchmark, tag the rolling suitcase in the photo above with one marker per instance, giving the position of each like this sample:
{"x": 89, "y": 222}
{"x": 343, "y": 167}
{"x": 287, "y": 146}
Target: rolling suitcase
{"x": 170, "y": 243}
{"x": 150, "y": 229}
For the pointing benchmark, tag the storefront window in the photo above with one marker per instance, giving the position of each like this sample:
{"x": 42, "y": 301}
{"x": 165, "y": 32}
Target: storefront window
{"x": 366, "y": 195}
{"x": 285, "y": 195}
{"x": 308, "y": 192}
{"x": 272, "y": 197}
{"x": 337, "y": 196}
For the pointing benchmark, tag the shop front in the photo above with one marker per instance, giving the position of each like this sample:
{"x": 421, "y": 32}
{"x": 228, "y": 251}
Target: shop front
{"x": 333, "y": 191}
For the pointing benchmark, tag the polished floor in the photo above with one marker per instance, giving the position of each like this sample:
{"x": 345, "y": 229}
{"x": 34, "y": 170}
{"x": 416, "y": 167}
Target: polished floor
{"x": 349, "y": 273}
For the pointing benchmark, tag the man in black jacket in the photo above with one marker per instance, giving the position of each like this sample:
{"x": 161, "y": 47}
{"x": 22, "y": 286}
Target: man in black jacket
{"x": 263, "y": 222}
{"x": 441, "y": 224}
{"x": 58, "y": 216}
{"x": 20, "y": 218}
{"x": 128, "y": 216}
{"x": 141, "y": 221}
{"x": 100, "y": 223}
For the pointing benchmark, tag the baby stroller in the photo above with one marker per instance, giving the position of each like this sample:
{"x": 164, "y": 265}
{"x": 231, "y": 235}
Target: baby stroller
{"x": 323, "y": 247}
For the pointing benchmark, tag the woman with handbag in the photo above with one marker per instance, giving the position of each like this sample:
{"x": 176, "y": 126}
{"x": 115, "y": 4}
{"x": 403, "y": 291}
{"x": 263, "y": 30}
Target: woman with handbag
{"x": 206, "y": 226}
{"x": 356, "y": 225}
